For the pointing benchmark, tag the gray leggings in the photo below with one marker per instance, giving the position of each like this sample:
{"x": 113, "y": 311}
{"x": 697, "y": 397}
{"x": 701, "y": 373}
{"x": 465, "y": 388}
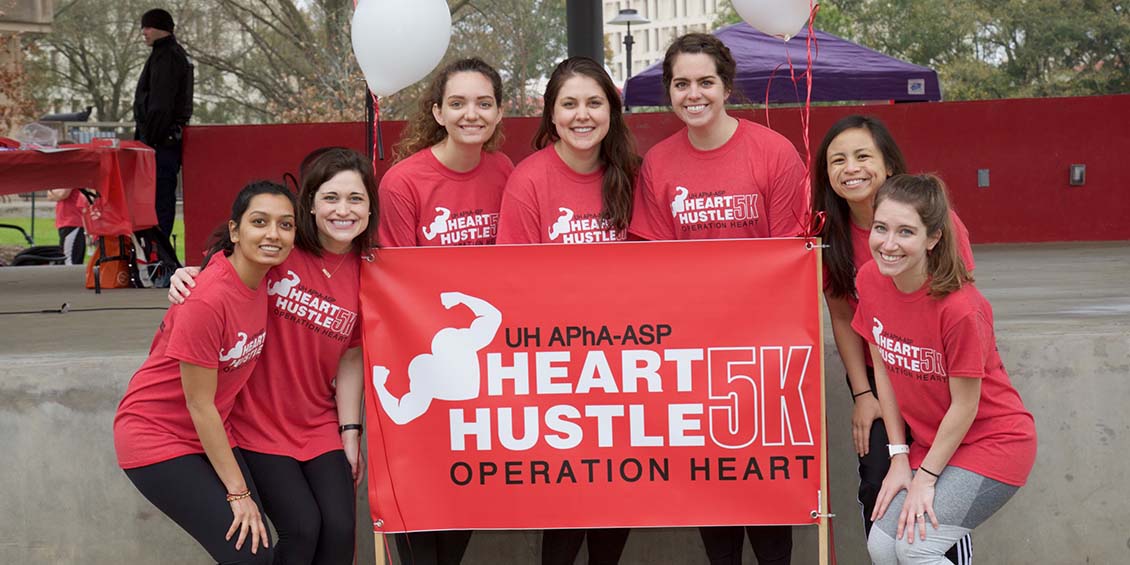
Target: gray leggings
{"x": 962, "y": 500}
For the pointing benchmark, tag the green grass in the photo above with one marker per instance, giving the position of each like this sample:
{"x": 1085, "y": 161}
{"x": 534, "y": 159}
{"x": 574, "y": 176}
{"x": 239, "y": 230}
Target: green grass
{"x": 46, "y": 234}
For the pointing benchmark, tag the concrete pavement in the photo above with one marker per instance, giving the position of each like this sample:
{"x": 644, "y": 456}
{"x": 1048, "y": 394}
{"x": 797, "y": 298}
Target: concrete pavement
{"x": 1063, "y": 327}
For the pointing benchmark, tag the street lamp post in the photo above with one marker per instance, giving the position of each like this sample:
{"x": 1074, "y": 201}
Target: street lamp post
{"x": 628, "y": 16}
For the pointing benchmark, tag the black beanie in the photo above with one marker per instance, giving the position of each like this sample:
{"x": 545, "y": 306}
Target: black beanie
{"x": 158, "y": 19}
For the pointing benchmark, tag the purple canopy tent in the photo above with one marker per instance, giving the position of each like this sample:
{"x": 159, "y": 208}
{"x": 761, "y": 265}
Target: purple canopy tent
{"x": 842, "y": 70}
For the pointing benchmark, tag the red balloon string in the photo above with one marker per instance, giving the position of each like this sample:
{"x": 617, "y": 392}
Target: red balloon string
{"x": 811, "y": 44}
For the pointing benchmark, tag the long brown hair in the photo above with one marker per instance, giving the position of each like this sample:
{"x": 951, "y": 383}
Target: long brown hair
{"x": 617, "y": 149}
{"x": 837, "y": 227}
{"x": 423, "y": 131}
{"x": 927, "y": 195}
{"x": 316, "y": 169}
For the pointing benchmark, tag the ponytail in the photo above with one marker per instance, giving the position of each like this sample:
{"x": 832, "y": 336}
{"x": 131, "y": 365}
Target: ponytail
{"x": 220, "y": 240}
{"x": 927, "y": 195}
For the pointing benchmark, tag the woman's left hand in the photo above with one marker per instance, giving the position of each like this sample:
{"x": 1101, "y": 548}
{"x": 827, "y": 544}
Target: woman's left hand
{"x": 351, "y": 440}
{"x": 917, "y": 508}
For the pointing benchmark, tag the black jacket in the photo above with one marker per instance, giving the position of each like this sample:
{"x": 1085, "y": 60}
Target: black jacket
{"x": 162, "y": 102}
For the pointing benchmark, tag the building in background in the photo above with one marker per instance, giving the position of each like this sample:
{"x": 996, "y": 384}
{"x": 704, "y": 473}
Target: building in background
{"x": 668, "y": 20}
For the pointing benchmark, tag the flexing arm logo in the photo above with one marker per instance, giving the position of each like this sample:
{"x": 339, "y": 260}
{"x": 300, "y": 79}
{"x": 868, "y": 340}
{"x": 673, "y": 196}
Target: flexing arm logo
{"x": 438, "y": 225}
{"x": 451, "y": 370}
{"x": 284, "y": 286}
{"x": 679, "y": 204}
{"x": 561, "y": 226}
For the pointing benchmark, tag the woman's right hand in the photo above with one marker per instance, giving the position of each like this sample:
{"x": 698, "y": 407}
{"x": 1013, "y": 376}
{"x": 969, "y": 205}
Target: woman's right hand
{"x": 247, "y": 521}
{"x": 898, "y": 479}
{"x": 181, "y": 282}
{"x": 864, "y": 414}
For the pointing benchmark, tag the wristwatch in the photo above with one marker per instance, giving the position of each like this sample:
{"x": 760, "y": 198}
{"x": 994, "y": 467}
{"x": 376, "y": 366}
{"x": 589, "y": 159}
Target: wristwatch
{"x": 897, "y": 449}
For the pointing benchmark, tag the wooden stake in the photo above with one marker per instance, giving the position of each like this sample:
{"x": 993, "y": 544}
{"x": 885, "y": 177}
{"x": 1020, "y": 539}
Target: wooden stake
{"x": 379, "y": 549}
{"x": 824, "y": 494}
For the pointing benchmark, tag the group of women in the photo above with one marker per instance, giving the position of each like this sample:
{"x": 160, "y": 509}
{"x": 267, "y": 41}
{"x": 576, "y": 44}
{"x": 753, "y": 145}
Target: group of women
{"x": 282, "y": 380}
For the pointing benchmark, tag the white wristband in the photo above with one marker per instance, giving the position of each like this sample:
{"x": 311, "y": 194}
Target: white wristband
{"x": 897, "y": 449}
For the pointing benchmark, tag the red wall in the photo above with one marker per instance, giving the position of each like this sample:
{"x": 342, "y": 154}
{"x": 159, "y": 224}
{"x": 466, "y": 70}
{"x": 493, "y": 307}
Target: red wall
{"x": 1027, "y": 144}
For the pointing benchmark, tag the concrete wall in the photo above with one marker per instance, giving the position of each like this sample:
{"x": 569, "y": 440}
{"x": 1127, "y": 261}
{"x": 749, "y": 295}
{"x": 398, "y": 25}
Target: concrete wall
{"x": 1065, "y": 341}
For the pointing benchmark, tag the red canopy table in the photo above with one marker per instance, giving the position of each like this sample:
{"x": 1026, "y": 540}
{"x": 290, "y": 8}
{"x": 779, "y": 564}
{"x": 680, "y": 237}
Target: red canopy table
{"x": 124, "y": 177}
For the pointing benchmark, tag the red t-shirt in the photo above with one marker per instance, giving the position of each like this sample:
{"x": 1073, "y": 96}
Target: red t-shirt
{"x": 752, "y": 186}
{"x": 288, "y": 406}
{"x": 861, "y": 255}
{"x": 547, "y": 202}
{"x": 924, "y": 342}
{"x": 68, "y": 211}
{"x": 424, "y": 203}
{"x": 222, "y": 326}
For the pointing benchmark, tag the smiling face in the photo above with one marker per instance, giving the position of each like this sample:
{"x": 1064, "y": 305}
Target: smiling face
{"x": 698, "y": 95}
{"x": 856, "y": 168}
{"x": 469, "y": 110}
{"x": 899, "y": 243}
{"x": 265, "y": 233}
{"x": 341, "y": 211}
{"x": 581, "y": 114}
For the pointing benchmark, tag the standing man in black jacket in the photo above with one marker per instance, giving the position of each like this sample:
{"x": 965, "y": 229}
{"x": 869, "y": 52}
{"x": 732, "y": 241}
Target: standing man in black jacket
{"x": 162, "y": 105}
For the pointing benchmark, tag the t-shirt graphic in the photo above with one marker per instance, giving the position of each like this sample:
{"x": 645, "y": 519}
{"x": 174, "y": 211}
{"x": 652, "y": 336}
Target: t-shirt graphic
{"x": 586, "y": 228}
{"x": 464, "y": 228}
{"x": 702, "y": 208}
{"x": 296, "y": 302}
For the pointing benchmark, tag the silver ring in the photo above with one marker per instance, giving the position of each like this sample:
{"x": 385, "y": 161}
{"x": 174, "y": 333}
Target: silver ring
{"x": 919, "y": 516}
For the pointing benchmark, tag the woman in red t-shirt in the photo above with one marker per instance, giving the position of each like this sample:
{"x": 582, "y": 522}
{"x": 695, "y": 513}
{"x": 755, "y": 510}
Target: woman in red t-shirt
{"x": 857, "y": 155}
{"x": 446, "y": 187}
{"x": 937, "y": 370}
{"x": 171, "y": 431}
{"x": 298, "y": 421}
{"x": 69, "y": 203}
{"x": 576, "y": 189}
{"x": 719, "y": 177}
{"x": 445, "y": 190}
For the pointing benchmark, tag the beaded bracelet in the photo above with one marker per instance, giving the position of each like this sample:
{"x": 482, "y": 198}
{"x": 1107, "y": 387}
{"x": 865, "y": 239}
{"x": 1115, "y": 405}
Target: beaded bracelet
{"x": 240, "y": 496}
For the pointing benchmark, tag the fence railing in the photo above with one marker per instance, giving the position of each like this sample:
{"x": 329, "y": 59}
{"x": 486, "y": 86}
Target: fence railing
{"x": 83, "y": 132}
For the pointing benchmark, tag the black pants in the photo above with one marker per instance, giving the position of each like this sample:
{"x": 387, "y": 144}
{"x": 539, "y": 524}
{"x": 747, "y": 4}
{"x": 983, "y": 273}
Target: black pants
{"x": 873, "y": 469}
{"x": 73, "y": 241}
{"x": 310, "y": 503}
{"x": 773, "y": 545}
{"x": 188, "y": 490}
{"x": 165, "y": 197}
{"x": 560, "y": 547}
{"x": 432, "y": 548}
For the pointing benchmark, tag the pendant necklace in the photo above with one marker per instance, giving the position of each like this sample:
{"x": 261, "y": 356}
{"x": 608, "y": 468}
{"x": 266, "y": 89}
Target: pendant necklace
{"x": 330, "y": 274}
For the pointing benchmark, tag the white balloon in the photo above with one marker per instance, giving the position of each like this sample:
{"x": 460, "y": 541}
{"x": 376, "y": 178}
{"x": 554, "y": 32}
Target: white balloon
{"x": 398, "y": 42}
{"x": 780, "y": 18}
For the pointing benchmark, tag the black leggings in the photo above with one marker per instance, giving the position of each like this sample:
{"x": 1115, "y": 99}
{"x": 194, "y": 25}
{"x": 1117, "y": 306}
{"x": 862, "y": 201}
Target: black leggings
{"x": 73, "y": 242}
{"x": 188, "y": 490}
{"x": 873, "y": 469}
{"x": 432, "y": 548}
{"x": 560, "y": 547}
{"x": 773, "y": 545}
{"x": 310, "y": 503}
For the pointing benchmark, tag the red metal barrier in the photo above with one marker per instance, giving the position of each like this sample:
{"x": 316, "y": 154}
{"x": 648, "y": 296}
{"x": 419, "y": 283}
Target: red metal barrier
{"x": 1028, "y": 146}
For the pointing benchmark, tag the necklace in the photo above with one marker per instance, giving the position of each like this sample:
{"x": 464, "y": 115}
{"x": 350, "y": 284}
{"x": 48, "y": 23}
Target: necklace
{"x": 330, "y": 274}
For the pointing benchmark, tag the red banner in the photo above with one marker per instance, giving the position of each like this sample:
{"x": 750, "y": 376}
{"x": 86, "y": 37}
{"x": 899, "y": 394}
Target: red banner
{"x": 636, "y": 384}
